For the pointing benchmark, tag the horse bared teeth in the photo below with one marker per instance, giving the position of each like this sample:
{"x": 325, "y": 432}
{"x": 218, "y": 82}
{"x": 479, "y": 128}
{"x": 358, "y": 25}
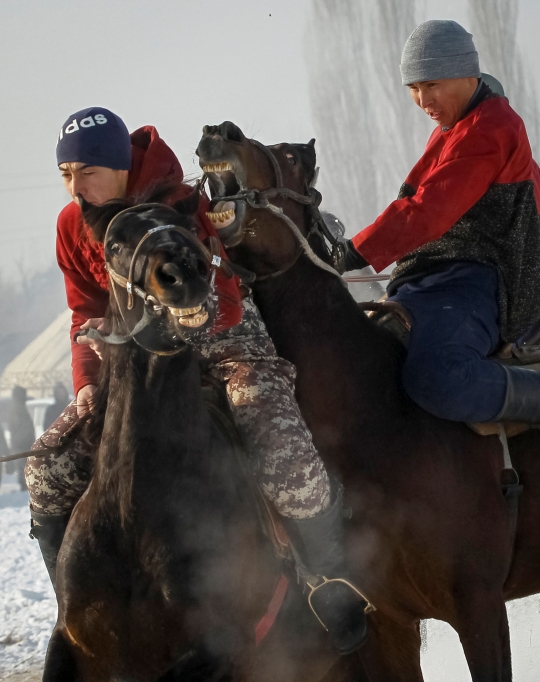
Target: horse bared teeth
{"x": 181, "y": 312}
{"x": 220, "y": 167}
{"x": 222, "y": 218}
{"x": 195, "y": 320}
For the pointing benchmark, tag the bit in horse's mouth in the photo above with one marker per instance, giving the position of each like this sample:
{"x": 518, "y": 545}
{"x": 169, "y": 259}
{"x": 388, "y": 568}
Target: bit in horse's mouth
{"x": 190, "y": 317}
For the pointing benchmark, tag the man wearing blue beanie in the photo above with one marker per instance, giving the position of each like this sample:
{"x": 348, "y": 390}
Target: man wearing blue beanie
{"x": 465, "y": 232}
{"x": 99, "y": 161}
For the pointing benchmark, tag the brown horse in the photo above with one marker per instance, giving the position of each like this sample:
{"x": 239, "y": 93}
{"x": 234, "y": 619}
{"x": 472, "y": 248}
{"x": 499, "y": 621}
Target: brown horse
{"x": 430, "y": 534}
{"x": 164, "y": 572}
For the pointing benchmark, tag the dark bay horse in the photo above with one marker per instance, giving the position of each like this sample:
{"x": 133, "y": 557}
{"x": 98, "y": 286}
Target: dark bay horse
{"x": 430, "y": 534}
{"x": 164, "y": 571}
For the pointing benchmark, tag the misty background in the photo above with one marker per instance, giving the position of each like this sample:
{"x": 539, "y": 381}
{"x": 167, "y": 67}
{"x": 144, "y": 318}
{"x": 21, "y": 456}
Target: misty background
{"x": 283, "y": 71}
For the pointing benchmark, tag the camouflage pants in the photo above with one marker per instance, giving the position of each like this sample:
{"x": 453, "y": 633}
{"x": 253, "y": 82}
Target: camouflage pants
{"x": 260, "y": 389}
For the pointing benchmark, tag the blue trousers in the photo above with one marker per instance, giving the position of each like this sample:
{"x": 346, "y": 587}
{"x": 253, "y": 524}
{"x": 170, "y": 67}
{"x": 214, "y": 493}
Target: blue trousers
{"x": 454, "y": 329}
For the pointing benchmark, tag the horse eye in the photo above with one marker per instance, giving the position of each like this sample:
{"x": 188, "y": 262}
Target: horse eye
{"x": 290, "y": 158}
{"x": 115, "y": 248}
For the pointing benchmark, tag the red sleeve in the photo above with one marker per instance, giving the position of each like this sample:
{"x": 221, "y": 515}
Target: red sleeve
{"x": 85, "y": 296}
{"x": 469, "y": 163}
{"x": 230, "y": 309}
{"x": 229, "y": 300}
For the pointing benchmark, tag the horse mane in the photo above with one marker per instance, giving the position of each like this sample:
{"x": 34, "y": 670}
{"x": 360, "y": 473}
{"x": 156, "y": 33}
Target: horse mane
{"x": 171, "y": 193}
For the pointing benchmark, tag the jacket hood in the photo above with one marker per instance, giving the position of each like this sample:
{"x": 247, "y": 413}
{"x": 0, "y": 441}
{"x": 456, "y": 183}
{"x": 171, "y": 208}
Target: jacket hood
{"x": 152, "y": 161}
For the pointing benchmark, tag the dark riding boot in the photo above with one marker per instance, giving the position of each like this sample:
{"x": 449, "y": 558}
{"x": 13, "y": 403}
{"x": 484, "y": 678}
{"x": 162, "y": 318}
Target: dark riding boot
{"x": 318, "y": 550}
{"x": 48, "y": 530}
{"x": 522, "y": 402}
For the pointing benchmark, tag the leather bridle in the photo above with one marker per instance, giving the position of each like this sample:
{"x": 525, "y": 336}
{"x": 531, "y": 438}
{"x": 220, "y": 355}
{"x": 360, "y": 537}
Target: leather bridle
{"x": 260, "y": 199}
{"x": 152, "y": 307}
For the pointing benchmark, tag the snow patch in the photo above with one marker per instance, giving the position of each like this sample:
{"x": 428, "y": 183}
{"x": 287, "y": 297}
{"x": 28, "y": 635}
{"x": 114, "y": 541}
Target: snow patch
{"x": 27, "y": 600}
{"x": 28, "y": 609}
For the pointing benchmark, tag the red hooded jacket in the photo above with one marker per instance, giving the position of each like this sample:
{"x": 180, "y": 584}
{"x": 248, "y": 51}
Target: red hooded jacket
{"x": 474, "y": 196}
{"x": 82, "y": 261}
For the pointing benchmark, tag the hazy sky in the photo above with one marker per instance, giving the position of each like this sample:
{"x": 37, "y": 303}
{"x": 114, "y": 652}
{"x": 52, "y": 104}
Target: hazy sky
{"x": 175, "y": 64}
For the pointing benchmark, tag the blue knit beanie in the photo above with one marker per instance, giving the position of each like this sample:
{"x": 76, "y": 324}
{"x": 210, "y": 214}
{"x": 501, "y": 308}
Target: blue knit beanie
{"x": 438, "y": 50}
{"x": 95, "y": 137}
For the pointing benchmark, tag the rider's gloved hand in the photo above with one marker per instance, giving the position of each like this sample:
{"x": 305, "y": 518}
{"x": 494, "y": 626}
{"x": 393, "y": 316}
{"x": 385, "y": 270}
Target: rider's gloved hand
{"x": 346, "y": 258}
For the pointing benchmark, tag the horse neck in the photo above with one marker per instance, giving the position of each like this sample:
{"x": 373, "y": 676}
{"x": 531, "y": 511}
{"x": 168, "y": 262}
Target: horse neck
{"x": 316, "y": 324}
{"x": 155, "y": 420}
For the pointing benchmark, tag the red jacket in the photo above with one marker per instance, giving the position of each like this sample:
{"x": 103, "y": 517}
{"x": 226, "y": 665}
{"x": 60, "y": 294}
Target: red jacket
{"x": 488, "y": 147}
{"x": 473, "y": 196}
{"x": 81, "y": 259}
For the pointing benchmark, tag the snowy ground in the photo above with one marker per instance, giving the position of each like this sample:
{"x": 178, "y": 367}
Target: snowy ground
{"x": 27, "y": 601}
{"x": 28, "y": 611}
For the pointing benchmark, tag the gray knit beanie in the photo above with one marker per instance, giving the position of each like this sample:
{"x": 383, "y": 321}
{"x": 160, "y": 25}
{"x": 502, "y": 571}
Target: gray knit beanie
{"x": 438, "y": 50}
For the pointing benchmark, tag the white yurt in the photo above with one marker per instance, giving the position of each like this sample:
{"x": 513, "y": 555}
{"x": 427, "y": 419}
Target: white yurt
{"x": 44, "y": 362}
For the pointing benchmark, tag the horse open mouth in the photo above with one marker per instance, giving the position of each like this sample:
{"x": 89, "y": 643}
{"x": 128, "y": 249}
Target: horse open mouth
{"x": 224, "y": 178}
{"x": 190, "y": 317}
{"x": 227, "y": 216}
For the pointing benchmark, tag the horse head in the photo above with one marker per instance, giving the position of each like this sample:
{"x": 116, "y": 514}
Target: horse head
{"x": 245, "y": 177}
{"x": 159, "y": 271}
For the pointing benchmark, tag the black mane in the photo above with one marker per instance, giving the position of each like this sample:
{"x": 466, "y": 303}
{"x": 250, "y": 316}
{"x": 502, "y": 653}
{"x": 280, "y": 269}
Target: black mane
{"x": 97, "y": 218}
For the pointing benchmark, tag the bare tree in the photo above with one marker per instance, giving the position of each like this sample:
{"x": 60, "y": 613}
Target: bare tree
{"x": 369, "y": 134}
{"x": 494, "y": 27}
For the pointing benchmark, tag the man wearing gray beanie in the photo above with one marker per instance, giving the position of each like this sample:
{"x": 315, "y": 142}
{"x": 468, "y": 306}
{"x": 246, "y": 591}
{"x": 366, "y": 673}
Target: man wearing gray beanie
{"x": 465, "y": 232}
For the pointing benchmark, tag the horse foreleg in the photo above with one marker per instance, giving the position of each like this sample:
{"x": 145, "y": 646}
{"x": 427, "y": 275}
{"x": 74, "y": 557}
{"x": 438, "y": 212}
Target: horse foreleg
{"x": 392, "y": 651}
{"x": 60, "y": 663}
{"x": 484, "y": 633}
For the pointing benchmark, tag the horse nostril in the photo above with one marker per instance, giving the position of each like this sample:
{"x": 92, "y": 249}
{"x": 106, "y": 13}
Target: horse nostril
{"x": 169, "y": 274}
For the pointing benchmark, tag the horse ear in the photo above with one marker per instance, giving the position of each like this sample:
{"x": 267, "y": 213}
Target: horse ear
{"x": 311, "y": 143}
{"x": 189, "y": 205}
{"x": 98, "y": 217}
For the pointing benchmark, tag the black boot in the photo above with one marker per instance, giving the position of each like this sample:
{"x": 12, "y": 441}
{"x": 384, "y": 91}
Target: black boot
{"x": 318, "y": 550}
{"x": 48, "y": 530}
{"x": 522, "y": 402}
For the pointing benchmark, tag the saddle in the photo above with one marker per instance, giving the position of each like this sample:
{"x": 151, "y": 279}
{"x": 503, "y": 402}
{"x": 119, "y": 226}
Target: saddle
{"x": 392, "y": 316}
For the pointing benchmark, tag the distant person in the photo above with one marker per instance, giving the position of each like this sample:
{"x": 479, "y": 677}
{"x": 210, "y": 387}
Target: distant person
{"x": 465, "y": 232}
{"x": 21, "y": 428}
{"x": 61, "y": 400}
